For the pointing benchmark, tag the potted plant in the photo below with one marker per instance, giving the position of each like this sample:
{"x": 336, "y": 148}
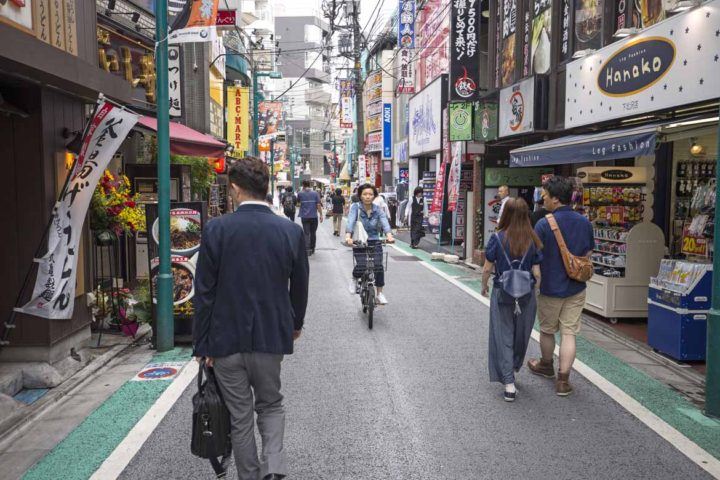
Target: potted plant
{"x": 114, "y": 209}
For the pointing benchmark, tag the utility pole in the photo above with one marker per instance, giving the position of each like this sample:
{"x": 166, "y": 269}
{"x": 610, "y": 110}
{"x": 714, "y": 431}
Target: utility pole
{"x": 165, "y": 322}
{"x": 712, "y": 379}
{"x": 357, "y": 50}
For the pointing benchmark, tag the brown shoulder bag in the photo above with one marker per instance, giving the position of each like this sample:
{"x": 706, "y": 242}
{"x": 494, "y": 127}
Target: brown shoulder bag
{"x": 577, "y": 268}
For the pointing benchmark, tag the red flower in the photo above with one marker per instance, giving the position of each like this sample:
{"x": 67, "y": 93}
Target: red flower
{"x": 130, "y": 204}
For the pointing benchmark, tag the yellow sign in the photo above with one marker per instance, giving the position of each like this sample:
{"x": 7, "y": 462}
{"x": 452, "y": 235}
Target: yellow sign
{"x": 238, "y": 125}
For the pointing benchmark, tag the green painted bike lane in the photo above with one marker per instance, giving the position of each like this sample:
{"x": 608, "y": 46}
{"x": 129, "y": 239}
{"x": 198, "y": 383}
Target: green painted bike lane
{"x": 82, "y": 452}
{"x": 658, "y": 398}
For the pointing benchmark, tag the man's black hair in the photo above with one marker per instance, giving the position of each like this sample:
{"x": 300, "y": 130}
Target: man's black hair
{"x": 560, "y": 188}
{"x": 250, "y": 175}
{"x": 289, "y": 189}
{"x": 306, "y": 184}
{"x": 417, "y": 190}
{"x": 338, "y": 191}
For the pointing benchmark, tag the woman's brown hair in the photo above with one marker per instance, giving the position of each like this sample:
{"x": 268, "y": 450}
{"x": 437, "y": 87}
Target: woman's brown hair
{"x": 515, "y": 223}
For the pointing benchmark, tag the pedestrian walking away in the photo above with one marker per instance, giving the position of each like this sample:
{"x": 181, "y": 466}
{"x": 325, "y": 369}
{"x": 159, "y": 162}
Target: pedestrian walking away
{"x": 311, "y": 212}
{"x": 416, "y": 212}
{"x": 289, "y": 203}
{"x": 375, "y": 223}
{"x": 561, "y": 299}
{"x": 338, "y": 208}
{"x": 513, "y": 255}
{"x": 251, "y": 290}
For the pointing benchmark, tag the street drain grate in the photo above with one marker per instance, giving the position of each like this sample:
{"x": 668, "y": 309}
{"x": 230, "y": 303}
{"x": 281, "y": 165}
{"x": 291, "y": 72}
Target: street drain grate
{"x": 406, "y": 259}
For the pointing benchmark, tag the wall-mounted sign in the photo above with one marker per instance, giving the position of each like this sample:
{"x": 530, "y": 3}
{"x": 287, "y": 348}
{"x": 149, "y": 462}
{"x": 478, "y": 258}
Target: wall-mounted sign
{"x": 486, "y": 121}
{"x": 18, "y": 14}
{"x": 678, "y": 58}
{"x": 541, "y": 35}
{"x": 346, "y": 112}
{"x": 464, "y": 52}
{"x": 406, "y": 24}
{"x": 406, "y": 76}
{"x": 226, "y": 18}
{"x": 613, "y": 174}
{"x": 130, "y": 60}
{"x": 362, "y": 168}
{"x": 515, "y": 177}
{"x": 460, "y": 122}
{"x": 425, "y": 118}
{"x": 374, "y": 142}
{"x": 270, "y": 118}
{"x": 374, "y": 123}
{"x": 175, "y": 80}
{"x": 517, "y": 108}
{"x": 387, "y": 131}
{"x": 238, "y": 125}
{"x": 401, "y": 152}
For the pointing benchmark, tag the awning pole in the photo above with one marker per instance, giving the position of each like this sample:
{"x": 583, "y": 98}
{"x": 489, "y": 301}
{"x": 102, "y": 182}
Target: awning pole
{"x": 712, "y": 379}
{"x": 165, "y": 326}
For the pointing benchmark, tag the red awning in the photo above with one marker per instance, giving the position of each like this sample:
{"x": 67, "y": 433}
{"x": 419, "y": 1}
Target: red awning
{"x": 186, "y": 141}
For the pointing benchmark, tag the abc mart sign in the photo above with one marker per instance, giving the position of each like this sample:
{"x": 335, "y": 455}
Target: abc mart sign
{"x": 672, "y": 63}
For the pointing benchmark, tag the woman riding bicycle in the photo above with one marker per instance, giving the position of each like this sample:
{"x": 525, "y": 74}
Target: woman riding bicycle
{"x": 375, "y": 222}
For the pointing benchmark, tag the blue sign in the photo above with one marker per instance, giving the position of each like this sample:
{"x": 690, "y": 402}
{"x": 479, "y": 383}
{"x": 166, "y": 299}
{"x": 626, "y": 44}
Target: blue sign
{"x": 406, "y": 23}
{"x": 387, "y": 131}
{"x": 612, "y": 145}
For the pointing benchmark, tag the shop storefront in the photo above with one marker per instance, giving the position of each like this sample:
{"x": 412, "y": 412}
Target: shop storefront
{"x": 648, "y": 189}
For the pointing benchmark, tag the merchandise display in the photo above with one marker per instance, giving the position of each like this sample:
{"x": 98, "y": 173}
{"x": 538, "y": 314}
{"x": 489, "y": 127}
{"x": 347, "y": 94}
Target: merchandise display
{"x": 614, "y": 210}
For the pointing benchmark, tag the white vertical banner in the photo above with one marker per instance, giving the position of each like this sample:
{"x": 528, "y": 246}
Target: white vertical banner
{"x": 54, "y": 292}
{"x": 454, "y": 175}
{"x": 174, "y": 81}
{"x": 362, "y": 168}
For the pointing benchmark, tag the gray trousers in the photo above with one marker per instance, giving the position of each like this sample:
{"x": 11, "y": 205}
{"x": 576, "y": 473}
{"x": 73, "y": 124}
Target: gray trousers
{"x": 509, "y": 336}
{"x": 240, "y": 376}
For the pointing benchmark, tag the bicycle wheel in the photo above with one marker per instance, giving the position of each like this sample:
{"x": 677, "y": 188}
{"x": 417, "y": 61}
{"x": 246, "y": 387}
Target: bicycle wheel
{"x": 370, "y": 306}
{"x": 363, "y": 299}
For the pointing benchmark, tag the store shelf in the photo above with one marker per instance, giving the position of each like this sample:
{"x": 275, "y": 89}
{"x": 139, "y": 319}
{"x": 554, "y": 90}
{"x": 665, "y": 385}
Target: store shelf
{"x": 608, "y": 265}
{"x": 608, "y": 252}
{"x": 610, "y": 240}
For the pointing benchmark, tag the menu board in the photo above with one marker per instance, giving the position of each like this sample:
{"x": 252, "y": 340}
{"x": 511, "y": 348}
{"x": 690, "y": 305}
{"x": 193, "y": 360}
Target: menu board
{"x": 187, "y": 220}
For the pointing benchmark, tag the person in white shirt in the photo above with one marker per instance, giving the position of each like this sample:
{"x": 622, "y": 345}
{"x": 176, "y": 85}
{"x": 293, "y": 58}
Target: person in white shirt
{"x": 503, "y": 194}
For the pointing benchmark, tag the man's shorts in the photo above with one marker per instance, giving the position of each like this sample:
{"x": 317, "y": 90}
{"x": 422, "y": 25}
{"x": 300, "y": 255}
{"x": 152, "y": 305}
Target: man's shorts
{"x": 561, "y": 314}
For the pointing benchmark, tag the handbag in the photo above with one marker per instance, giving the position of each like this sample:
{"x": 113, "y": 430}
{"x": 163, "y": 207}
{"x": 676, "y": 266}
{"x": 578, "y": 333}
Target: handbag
{"x": 577, "y": 268}
{"x": 210, "y": 422}
{"x": 515, "y": 282}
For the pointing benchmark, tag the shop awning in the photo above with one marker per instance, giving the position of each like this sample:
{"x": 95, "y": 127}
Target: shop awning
{"x": 186, "y": 141}
{"x": 593, "y": 147}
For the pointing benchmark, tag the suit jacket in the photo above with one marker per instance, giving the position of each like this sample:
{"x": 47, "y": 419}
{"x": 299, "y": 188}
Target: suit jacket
{"x": 251, "y": 284}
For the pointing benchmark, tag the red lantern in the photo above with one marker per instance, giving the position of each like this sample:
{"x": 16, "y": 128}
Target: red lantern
{"x": 219, "y": 164}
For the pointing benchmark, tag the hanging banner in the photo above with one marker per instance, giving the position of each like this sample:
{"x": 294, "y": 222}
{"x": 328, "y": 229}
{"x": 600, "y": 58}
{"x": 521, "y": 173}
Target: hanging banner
{"x": 195, "y": 22}
{"x": 454, "y": 176}
{"x": 486, "y": 120}
{"x": 346, "y": 104}
{"x": 406, "y": 77}
{"x": 54, "y": 292}
{"x": 387, "y": 131}
{"x": 460, "y": 122}
{"x": 270, "y": 118}
{"x": 425, "y": 110}
{"x": 174, "y": 81}
{"x": 362, "y": 168}
{"x": 439, "y": 193}
{"x": 464, "y": 52}
{"x": 238, "y": 125}
{"x": 406, "y": 24}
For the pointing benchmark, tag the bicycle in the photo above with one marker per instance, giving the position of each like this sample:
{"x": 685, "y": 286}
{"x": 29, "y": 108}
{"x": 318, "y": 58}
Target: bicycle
{"x": 367, "y": 279}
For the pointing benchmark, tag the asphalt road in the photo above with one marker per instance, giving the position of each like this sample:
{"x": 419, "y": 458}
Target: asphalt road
{"x": 411, "y": 398}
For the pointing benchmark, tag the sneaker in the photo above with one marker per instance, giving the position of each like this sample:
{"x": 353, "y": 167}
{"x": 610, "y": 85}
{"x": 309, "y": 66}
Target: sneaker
{"x": 380, "y": 299}
{"x": 509, "y": 396}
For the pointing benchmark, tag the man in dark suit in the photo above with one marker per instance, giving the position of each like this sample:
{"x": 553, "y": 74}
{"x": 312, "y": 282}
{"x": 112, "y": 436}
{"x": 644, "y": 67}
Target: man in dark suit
{"x": 251, "y": 289}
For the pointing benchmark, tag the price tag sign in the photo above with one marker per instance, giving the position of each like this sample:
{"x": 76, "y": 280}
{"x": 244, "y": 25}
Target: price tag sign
{"x": 693, "y": 244}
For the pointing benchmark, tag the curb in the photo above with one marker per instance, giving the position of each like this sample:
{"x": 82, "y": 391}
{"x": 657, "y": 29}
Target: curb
{"x": 17, "y": 422}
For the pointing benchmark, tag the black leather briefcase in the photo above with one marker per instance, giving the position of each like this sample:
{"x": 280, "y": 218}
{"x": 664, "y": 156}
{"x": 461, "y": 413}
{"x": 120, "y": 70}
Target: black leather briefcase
{"x": 210, "y": 422}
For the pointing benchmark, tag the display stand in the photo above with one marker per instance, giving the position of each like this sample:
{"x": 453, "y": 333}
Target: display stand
{"x": 640, "y": 250}
{"x": 678, "y": 303}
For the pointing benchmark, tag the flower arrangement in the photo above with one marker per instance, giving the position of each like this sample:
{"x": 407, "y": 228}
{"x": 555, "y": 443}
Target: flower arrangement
{"x": 114, "y": 207}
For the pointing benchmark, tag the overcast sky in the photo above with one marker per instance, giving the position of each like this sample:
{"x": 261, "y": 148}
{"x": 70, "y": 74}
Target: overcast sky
{"x": 367, "y": 8}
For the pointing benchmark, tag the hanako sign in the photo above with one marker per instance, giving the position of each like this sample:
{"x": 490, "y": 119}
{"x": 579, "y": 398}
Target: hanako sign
{"x": 54, "y": 292}
{"x": 464, "y": 51}
{"x": 671, "y": 63}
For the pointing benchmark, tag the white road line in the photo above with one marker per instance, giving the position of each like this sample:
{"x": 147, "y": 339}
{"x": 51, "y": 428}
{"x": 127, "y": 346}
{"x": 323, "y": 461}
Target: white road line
{"x": 119, "y": 459}
{"x": 682, "y": 443}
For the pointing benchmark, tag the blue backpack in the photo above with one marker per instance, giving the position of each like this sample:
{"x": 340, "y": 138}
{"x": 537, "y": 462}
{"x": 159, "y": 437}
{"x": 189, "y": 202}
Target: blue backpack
{"x": 515, "y": 282}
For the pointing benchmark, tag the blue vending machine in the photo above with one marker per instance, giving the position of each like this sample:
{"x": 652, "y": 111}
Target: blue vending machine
{"x": 678, "y": 304}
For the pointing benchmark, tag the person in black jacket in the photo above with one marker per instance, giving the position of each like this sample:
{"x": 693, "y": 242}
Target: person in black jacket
{"x": 417, "y": 215}
{"x": 244, "y": 324}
